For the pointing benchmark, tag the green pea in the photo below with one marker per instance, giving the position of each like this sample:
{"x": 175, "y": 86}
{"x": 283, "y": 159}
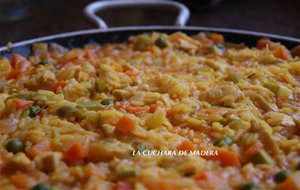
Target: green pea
{"x": 281, "y": 175}
{"x": 141, "y": 147}
{"x": 41, "y": 186}
{"x": 161, "y": 42}
{"x": 44, "y": 62}
{"x": 14, "y": 146}
{"x": 107, "y": 101}
{"x": 65, "y": 111}
{"x": 33, "y": 111}
{"x": 248, "y": 186}
{"x": 223, "y": 141}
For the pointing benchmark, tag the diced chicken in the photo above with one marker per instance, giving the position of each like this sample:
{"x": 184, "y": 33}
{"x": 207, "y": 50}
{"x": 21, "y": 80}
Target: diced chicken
{"x": 47, "y": 162}
{"x": 275, "y": 119}
{"x": 107, "y": 149}
{"x": 18, "y": 162}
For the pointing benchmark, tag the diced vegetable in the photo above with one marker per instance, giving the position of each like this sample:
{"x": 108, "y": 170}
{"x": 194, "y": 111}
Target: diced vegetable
{"x": 223, "y": 141}
{"x": 226, "y": 157}
{"x": 134, "y": 109}
{"x": 14, "y": 146}
{"x": 252, "y": 150}
{"x": 33, "y": 111}
{"x": 41, "y": 186}
{"x": 50, "y": 161}
{"x": 216, "y": 38}
{"x": 234, "y": 77}
{"x": 121, "y": 185}
{"x": 249, "y": 186}
{"x": 141, "y": 147}
{"x": 161, "y": 42}
{"x": 281, "y": 52}
{"x": 291, "y": 183}
{"x": 76, "y": 153}
{"x": 125, "y": 126}
{"x": 20, "y": 180}
{"x": 20, "y": 104}
{"x": 156, "y": 119}
{"x": 212, "y": 181}
{"x": 130, "y": 73}
{"x": 14, "y": 74}
{"x": 142, "y": 43}
{"x": 100, "y": 85}
{"x": 107, "y": 101}
{"x": 153, "y": 107}
{"x": 272, "y": 87}
{"x": 263, "y": 43}
{"x": 281, "y": 175}
{"x": 58, "y": 84}
{"x": 186, "y": 145}
{"x": 262, "y": 157}
{"x": 41, "y": 147}
{"x": 126, "y": 173}
{"x": 65, "y": 111}
{"x": 44, "y": 62}
{"x": 19, "y": 63}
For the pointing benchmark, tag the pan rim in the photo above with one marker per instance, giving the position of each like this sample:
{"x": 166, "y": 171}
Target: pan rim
{"x": 150, "y": 28}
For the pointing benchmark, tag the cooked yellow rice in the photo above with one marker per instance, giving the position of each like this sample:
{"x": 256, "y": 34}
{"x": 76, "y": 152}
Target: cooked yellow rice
{"x": 181, "y": 93}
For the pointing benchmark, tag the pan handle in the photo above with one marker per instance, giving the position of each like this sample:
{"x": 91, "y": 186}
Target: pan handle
{"x": 91, "y": 9}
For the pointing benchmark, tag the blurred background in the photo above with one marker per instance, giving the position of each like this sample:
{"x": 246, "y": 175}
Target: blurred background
{"x": 25, "y": 19}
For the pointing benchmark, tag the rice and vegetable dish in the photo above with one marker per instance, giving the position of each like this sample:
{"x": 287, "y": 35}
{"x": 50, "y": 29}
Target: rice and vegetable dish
{"x": 76, "y": 118}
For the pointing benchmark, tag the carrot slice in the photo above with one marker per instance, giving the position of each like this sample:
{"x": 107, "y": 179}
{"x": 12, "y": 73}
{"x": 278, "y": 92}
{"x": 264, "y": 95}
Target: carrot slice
{"x": 135, "y": 109}
{"x": 20, "y": 180}
{"x": 130, "y": 73}
{"x": 226, "y": 157}
{"x": 281, "y": 52}
{"x": 117, "y": 67}
{"x": 121, "y": 185}
{"x": 76, "y": 153}
{"x": 14, "y": 74}
{"x": 19, "y": 62}
{"x": 216, "y": 38}
{"x": 39, "y": 148}
{"x": 186, "y": 145}
{"x": 263, "y": 43}
{"x": 125, "y": 126}
{"x": 153, "y": 107}
{"x": 291, "y": 183}
{"x": 252, "y": 150}
{"x": 20, "y": 104}
{"x": 58, "y": 84}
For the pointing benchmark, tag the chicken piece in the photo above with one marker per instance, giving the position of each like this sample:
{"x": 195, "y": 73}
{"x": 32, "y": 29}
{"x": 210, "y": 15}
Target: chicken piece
{"x": 48, "y": 161}
{"x": 18, "y": 162}
{"x": 107, "y": 149}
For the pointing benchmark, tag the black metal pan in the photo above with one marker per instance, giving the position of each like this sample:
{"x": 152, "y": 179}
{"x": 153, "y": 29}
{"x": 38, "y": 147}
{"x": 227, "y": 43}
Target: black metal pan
{"x": 119, "y": 34}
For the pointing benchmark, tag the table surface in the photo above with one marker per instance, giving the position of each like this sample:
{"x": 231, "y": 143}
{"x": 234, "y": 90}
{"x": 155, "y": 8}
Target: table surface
{"x": 58, "y": 16}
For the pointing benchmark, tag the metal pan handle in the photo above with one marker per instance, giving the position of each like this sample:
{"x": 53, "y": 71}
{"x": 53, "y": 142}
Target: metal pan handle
{"x": 91, "y": 9}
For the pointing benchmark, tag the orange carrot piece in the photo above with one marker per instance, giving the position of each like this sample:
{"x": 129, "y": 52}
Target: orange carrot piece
{"x": 216, "y": 38}
{"x": 20, "y": 180}
{"x": 125, "y": 126}
{"x": 281, "y": 52}
{"x": 226, "y": 157}
{"x": 212, "y": 181}
{"x": 130, "y": 73}
{"x": 135, "y": 109}
{"x": 291, "y": 183}
{"x": 263, "y": 43}
{"x": 76, "y": 153}
{"x": 19, "y": 62}
{"x": 39, "y": 148}
{"x": 117, "y": 67}
{"x": 252, "y": 150}
{"x": 14, "y": 74}
{"x": 186, "y": 145}
{"x": 58, "y": 84}
{"x": 121, "y": 185}
{"x": 153, "y": 107}
{"x": 170, "y": 113}
{"x": 20, "y": 104}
